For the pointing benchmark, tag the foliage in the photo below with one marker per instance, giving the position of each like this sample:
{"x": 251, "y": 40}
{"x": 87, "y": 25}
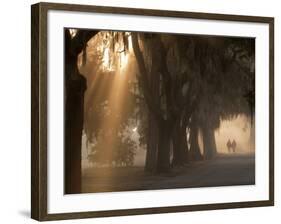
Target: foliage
{"x": 208, "y": 76}
{"x": 122, "y": 154}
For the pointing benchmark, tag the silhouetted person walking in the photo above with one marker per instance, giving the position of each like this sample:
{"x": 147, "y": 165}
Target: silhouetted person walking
{"x": 228, "y": 144}
{"x": 233, "y": 144}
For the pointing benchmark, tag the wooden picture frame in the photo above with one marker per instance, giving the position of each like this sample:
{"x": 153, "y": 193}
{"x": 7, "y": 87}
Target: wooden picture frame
{"x": 39, "y": 109}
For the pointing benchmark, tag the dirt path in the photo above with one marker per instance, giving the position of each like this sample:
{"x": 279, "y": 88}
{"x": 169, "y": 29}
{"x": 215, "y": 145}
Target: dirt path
{"x": 222, "y": 171}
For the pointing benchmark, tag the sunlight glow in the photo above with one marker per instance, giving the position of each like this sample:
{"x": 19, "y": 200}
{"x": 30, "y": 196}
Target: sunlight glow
{"x": 130, "y": 42}
{"x": 124, "y": 55}
{"x": 116, "y": 59}
{"x": 113, "y": 61}
{"x": 106, "y": 60}
{"x": 123, "y": 59}
{"x": 73, "y": 32}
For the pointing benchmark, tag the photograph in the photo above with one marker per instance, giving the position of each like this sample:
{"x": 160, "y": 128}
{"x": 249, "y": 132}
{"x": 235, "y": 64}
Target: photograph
{"x": 153, "y": 111}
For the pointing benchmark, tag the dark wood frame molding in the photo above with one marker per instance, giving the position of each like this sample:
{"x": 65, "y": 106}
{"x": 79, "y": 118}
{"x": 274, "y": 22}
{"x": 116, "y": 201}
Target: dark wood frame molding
{"x": 39, "y": 110}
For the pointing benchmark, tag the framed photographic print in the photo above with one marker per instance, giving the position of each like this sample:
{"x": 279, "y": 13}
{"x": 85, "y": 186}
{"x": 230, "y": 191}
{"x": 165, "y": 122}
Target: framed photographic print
{"x": 138, "y": 111}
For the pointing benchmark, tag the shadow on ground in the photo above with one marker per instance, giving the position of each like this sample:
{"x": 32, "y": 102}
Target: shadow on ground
{"x": 224, "y": 170}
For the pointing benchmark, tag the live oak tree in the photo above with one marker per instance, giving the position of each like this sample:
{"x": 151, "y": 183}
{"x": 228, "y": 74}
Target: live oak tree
{"x": 209, "y": 69}
{"x": 229, "y": 90}
{"x": 172, "y": 100}
{"x": 75, "y": 83}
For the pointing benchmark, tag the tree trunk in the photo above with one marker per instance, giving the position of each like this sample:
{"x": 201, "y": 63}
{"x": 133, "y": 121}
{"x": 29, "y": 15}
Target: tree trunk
{"x": 180, "y": 148}
{"x": 152, "y": 145}
{"x": 73, "y": 132}
{"x": 209, "y": 142}
{"x": 154, "y": 80}
{"x": 163, "y": 158}
{"x": 252, "y": 135}
{"x": 75, "y": 86}
{"x": 73, "y": 125}
{"x": 195, "y": 153}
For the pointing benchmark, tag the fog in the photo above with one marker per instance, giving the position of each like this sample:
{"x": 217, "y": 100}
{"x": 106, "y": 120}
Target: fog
{"x": 239, "y": 129}
{"x": 123, "y": 65}
{"x": 146, "y": 101}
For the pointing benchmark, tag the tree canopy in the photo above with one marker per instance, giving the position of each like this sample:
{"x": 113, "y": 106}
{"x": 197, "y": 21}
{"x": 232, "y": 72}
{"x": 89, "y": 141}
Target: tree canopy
{"x": 172, "y": 84}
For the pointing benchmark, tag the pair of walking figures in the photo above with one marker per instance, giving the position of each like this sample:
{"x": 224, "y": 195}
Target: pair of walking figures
{"x": 231, "y": 146}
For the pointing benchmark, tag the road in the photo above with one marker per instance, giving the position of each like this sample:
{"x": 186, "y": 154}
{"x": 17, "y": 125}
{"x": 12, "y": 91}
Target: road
{"x": 224, "y": 170}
